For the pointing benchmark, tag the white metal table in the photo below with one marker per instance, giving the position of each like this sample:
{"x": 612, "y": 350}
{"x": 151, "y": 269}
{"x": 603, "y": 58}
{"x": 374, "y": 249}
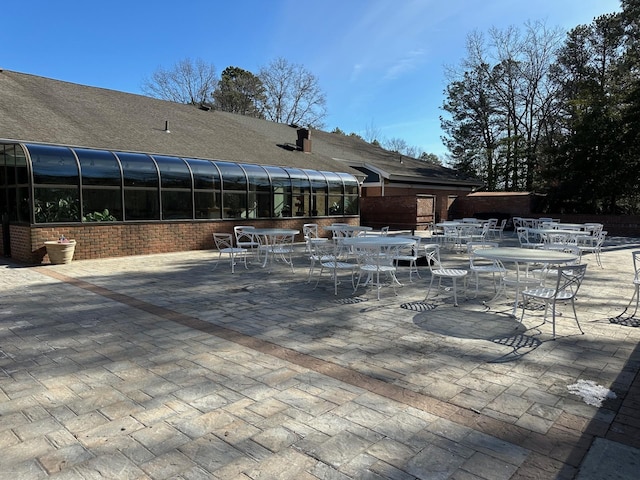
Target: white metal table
{"x": 381, "y": 247}
{"x": 523, "y": 255}
{"x": 268, "y": 239}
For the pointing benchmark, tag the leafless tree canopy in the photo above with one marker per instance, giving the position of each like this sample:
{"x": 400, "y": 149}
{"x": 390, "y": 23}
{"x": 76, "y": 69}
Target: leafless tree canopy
{"x": 293, "y": 94}
{"x": 189, "y": 82}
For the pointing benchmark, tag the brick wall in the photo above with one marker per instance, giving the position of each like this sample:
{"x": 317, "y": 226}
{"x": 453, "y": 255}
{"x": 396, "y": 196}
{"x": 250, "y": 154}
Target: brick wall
{"x": 522, "y": 204}
{"x": 118, "y": 240}
{"x": 398, "y": 212}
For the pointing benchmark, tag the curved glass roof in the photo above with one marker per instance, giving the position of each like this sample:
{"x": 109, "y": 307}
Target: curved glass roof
{"x": 69, "y": 184}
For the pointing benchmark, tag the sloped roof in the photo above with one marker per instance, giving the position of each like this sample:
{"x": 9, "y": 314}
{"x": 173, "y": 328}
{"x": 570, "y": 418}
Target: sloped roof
{"x": 38, "y": 109}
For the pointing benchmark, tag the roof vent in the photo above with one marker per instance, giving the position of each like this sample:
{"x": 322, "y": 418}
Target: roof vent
{"x": 166, "y": 126}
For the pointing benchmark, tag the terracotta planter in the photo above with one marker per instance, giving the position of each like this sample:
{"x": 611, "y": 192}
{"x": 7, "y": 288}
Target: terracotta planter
{"x": 60, "y": 252}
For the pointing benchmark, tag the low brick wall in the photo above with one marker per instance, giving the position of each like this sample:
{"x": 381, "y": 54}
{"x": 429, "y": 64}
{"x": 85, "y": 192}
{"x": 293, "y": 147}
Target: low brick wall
{"x": 125, "y": 239}
{"x": 522, "y": 204}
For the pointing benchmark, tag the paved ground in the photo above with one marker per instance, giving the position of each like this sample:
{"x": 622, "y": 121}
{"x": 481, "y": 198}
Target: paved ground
{"x": 161, "y": 367}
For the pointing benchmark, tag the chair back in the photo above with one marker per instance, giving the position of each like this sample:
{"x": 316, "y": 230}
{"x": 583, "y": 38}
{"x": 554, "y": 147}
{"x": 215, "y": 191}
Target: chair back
{"x": 523, "y": 236}
{"x": 569, "y": 280}
{"x": 310, "y": 230}
{"x": 244, "y": 236}
{"x": 223, "y": 240}
{"x": 432, "y": 252}
{"x": 636, "y": 265}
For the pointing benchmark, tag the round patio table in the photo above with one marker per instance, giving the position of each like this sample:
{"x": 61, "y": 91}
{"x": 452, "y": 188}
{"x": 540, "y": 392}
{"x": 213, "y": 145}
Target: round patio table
{"x": 523, "y": 255}
{"x": 268, "y": 237}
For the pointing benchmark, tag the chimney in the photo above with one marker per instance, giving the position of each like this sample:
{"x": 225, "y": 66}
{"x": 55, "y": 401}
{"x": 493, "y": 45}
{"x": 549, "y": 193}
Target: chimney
{"x": 304, "y": 140}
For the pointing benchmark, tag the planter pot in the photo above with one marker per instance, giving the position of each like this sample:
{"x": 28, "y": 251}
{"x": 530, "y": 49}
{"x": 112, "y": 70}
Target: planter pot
{"x": 60, "y": 252}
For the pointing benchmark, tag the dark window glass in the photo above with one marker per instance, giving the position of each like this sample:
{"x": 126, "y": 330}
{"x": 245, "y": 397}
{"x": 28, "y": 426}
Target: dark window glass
{"x": 336, "y": 193}
{"x": 207, "y": 204}
{"x": 99, "y": 167}
{"x": 205, "y": 174}
{"x": 24, "y": 208}
{"x": 138, "y": 170}
{"x": 350, "y": 183}
{"x": 56, "y": 205}
{"x": 258, "y": 178}
{"x": 319, "y": 193}
{"x": 233, "y": 177}
{"x": 260, "y": 204}
{"x": 101, "y": 204}
{"x": 22, "y": 173}
{"x": 53, "y": 165}
{"x": 281, "y": 184}
{"x": 5, "y": 158}
{"x": 141, "y": 204}
{"x": 176, "y": 204}
{"x": 174, "y": 173}
{"x": 235, "y": 204}
{"x": 301, "y": 191}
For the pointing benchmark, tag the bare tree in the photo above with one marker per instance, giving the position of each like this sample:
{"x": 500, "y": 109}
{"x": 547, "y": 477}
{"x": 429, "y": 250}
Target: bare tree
{"x": 190, "y": 82}
{"x": 372, "y": 133}
{"x": 395, "y": 145}
{"x": 293, "y": 94}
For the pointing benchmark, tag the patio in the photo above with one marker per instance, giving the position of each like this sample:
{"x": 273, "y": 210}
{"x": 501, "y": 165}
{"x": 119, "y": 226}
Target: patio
{"x": 160, "y": 367}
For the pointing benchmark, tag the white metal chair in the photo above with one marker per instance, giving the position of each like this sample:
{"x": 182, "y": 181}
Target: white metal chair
{"x": 439, "y": 271}
{"x": 478, "y": 265}
{"x": 315, "y": 256}
{"x": 333, "y": 258}
{"x": 636, "y": 292}
{"x": 245, "y": 238}
{"x": 593, "y": 245}
{"x": 410, "y": 253}
{"x": 224, "y": 244}
{"x": 551, "y": 271}
{"x": 497, "y": 231}
{"x": 568, "y": 281}
{"x": 374, "y": 260}
{"x": 309, "y": 231}
{"x": 524, "y": 240}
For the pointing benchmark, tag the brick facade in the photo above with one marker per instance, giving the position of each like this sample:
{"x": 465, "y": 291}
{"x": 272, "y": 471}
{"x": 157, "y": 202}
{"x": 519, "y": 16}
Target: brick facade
{"x": 125, "y": 239}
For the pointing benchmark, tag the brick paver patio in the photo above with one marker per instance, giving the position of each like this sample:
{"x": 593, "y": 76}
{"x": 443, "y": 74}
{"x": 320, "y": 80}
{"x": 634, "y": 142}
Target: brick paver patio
{"x": 159, "y": 367}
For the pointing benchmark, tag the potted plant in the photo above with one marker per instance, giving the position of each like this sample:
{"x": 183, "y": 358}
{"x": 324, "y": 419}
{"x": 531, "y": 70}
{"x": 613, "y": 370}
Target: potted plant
{"x": 61, "y": 250}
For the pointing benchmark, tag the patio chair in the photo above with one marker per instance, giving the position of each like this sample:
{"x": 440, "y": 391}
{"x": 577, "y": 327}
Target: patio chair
{"x": 374, "y": 260}
{"x": 497, "y": 231}
{"x": 410, "y": 254}
{"x": 568, "y": 281}
{"x": 309, "y": 231}
{"x": 333, "y": 258}
{"x": 479, "y": 265}
{"x": 523, "y": 239}
{"x": 224, "y": 244}
{"x": 245, "y": 238}
{"x": 593, "y": 245}
{"x": 636, "y": 292}
{"x": 439, "y": 271}
{"x": 315, "y": 255}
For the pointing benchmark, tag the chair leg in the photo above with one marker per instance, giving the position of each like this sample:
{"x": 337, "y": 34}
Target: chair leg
{"x": 575, "y": 315}
{"x": 429, "y": 289}
{"x": 455, "y": 292}
{"x": 636, "y": 296}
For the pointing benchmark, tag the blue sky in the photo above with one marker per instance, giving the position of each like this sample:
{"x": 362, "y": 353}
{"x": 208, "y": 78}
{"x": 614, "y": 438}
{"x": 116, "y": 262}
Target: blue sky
{"x": 380, "y": 62}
